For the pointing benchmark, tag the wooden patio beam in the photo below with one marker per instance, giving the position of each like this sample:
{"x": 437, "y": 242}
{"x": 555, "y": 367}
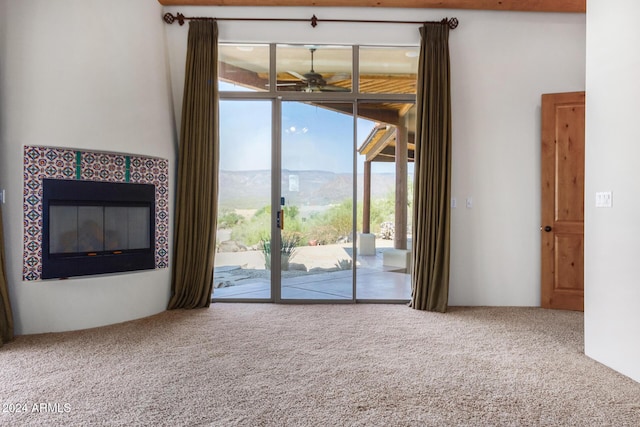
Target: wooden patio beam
{"x": 381, "y": 144}
{"x": 243, "y": 77}
{"x": 401, "y": 209}
{"x": 366, "y": 199}
{"x": 572, "y": 6}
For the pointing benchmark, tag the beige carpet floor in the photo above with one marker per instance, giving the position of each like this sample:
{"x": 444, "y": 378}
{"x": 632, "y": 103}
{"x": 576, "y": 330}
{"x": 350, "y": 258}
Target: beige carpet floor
{"x": 317, "y": 365}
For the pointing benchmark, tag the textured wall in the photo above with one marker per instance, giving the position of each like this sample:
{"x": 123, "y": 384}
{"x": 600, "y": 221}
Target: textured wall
{"x": 501, "y": 62}
{"x": 91, "y": 76}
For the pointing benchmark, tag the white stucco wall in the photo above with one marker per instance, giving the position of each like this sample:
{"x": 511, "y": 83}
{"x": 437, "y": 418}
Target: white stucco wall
{"x": 612, "y": 235}
{"x": 83, "y": 74}
{"x": 501, "y": 64}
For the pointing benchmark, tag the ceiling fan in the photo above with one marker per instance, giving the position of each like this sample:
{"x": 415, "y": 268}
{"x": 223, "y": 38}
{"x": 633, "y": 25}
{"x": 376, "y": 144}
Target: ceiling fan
{"x": 312, "y": 81}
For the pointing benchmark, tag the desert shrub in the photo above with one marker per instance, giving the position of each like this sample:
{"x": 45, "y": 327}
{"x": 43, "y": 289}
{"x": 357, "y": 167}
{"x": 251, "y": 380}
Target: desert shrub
{"x": 288, "y": 244}
{"x": 382, "y": 210}
{"x": 332, "y": 225}
{"x": 326, "y": 227}
{"x": 229, "y": 219}
{"x": 250, "y": 233}
{"x": 344, "y": 264}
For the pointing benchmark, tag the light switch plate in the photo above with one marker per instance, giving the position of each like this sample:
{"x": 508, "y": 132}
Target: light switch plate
{"x": 604, "y": 199}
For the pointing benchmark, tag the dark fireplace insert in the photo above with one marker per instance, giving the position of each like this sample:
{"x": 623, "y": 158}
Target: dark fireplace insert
{"x": 96, "y": 227}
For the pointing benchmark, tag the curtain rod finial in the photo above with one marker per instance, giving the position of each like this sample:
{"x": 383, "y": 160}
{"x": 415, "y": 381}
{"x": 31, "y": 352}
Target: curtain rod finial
{"x": 170, "y": 19}
{"x": 452, "y": 23}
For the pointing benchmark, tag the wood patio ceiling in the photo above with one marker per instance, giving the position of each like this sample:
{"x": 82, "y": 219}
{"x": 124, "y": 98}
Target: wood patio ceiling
{"x": 380, "y": 145}
{"x": 386, "y": 112}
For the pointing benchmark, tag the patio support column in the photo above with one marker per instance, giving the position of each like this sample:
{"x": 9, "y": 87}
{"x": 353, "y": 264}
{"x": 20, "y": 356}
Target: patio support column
{"x": 402, "y": 157}
{"x": 366, "y": 198}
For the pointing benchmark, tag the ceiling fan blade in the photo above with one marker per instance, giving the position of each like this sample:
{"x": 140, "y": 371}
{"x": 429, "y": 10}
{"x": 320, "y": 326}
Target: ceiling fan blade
{"x": 285, "y": 85}
{"x": 297, "y": 75}
{"x": 339, "y": 77}
{"x": 313, "y": 81}
{"x": 332, "y": 88}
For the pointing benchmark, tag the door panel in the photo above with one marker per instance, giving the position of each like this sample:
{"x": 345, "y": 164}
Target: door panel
{"x": 385, "y": 194}
{"x": 569, "y": 276}
{"x": 317, "y": 187}
{"x": 562, "y": 228}
{"x": 242, "y": 271}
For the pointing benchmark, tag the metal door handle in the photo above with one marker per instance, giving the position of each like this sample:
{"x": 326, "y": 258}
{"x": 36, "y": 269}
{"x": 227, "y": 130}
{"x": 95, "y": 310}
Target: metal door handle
{"x": 547, "y": 228}
{"x": 280, "y": 219}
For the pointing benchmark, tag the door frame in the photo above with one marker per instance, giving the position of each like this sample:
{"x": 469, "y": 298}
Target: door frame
{"x": 354, "y": 97}
{"x": 276, "y": 199}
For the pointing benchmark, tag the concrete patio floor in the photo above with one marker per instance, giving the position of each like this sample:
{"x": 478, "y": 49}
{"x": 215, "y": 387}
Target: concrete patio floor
{"x": 374, "y": 281}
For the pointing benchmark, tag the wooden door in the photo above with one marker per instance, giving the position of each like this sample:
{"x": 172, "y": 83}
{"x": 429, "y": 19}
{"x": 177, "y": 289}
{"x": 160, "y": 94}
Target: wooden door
{"x": 562, "y": 228}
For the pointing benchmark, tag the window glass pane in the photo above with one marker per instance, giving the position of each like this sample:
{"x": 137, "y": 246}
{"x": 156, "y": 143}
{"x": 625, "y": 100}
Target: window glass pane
{"x": 313, "y": 68}
{"x": 385, "y": 196}
{"x": 243, "y": 259}
{"x": 90, "y": 228}
{"x": 243, "y": 67}
{"x": 317, "y": 185}
{"x": 388, "y": 69}
{"x": 63, "y": 229}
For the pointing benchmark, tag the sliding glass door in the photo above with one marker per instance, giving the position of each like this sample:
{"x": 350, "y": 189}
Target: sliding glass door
{"x": 242, "y": 265}
{"x": 316, "y": 154}
{"x": 317, "y": 189}
{"x": 385, "y": 193}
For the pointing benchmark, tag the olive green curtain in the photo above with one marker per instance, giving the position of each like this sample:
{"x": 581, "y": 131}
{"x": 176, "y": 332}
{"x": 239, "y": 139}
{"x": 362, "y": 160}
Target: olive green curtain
{"x": 6, "y": 317}
{"x": 432, "y": 173}
{"x": 197, "y": 194}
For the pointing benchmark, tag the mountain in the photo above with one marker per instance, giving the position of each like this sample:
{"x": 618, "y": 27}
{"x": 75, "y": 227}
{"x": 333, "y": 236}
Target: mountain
{"x": 252, "y": 189}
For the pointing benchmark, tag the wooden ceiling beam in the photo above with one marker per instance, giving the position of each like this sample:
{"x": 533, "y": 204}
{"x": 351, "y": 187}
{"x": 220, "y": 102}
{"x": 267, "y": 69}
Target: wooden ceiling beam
{"x": 384, "y": 141}
{"x": 573, "y": 6}
{"x": 243, "y": 77}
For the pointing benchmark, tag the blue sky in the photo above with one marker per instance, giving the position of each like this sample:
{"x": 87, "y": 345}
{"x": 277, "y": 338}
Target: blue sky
{"x": 313, "y": 138}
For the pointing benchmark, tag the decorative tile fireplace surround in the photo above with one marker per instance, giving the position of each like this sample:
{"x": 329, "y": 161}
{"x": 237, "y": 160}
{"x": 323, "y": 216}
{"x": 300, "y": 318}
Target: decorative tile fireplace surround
{"x": 67, "y": 164}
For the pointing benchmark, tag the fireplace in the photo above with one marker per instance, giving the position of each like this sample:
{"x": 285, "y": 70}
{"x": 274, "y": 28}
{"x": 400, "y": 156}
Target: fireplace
{"x": 94, "y": 227}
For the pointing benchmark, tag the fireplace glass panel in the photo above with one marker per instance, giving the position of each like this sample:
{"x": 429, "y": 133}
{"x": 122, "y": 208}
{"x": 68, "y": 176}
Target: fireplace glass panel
{"x": 90, "y": 229}
{"x": 126, "y": 228}
{"x": 75, "y": 229}
{"x": 64, "y": 220}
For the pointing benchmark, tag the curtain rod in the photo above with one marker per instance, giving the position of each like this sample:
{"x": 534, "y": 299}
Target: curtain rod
{"x": 170, "y": 19}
